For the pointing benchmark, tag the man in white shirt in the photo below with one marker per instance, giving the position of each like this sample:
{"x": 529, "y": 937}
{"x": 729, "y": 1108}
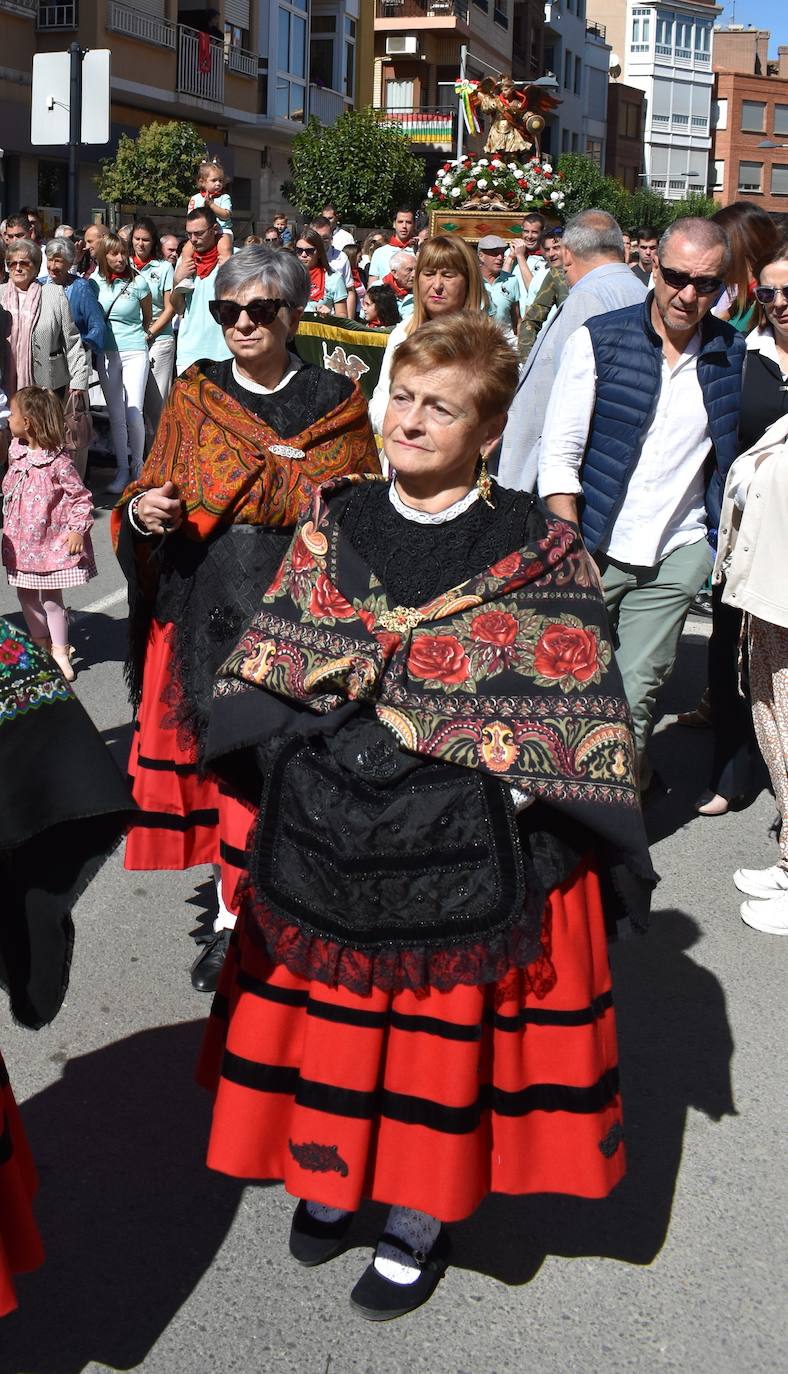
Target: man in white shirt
{"x": 339, "y": 237}
{"x": 337, "y": 261}
{"x": 640, "y": 430}
{"x": 404, "y": 229}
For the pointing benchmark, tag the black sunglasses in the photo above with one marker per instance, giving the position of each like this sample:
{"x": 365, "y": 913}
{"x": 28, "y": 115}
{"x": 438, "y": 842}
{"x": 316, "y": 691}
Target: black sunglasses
{"x": 227, "y": 313}
{"x": 705, "y": 286}
{"x": 272, "y": 239}
{"x": 767, "y": 295}
{"x": 305, "y": 252}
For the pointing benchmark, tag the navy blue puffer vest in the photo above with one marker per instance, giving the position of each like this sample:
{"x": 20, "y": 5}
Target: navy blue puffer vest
{"x": 628, "y": 354}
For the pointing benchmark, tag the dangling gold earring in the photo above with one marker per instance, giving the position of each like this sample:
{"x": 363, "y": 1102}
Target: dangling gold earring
{"x": 483, "y": 483}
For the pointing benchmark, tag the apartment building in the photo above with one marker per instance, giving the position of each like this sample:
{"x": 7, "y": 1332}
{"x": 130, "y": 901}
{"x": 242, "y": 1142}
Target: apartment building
{"x": 564, "y": 54}
{"x": 665, "y": 51}
{"x": 750, "y": 111}
{"x": 239, "y": 70}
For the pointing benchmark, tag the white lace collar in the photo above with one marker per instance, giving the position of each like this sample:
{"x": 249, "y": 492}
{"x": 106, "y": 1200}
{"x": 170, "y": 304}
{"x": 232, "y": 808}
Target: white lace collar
{"x": 257, "y": 388}
{"x": 425, "y": 517}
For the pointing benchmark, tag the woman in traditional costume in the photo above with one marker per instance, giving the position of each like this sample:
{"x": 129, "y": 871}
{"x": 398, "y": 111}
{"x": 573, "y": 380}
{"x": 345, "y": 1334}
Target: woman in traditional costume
{"x": 241, "y": 447}
{"x": 64, "y": 805}
{"x": 417, "y": 1008}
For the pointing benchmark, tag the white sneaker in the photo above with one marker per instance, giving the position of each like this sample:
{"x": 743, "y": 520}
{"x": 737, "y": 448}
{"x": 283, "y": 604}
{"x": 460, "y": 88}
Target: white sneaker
{"x": 762, "y": 882}
{"x": 771, "y": 917}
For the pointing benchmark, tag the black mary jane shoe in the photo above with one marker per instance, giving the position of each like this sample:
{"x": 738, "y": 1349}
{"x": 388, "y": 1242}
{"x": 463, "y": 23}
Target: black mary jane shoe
{"x": 379, "y": 1299}
{"x": 208, "y": 964}
{"x": 313, "y": 1242}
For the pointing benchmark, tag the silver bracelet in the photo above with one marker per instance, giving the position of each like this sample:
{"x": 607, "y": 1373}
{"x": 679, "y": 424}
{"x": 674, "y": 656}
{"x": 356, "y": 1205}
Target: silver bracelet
{"x": 135, "y": 524}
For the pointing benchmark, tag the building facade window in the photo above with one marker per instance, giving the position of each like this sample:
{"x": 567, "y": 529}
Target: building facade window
{"x": 630, "y": 120}
{"x": 291, "y": 61}
{"x": 719, "y": 114}
{"x": 578, "y": 76}
{"x": 349, "y": 75}
{"x": 779, "y": 180}
{"x": 641, "y": 30}
{"x": 567, "y": 70}
{"x": 665, "y": 34}
{"x": 321, "y": 50}
{"x": 684, "y": 39}
{"x": 718, "y": 175}
{"x": 781, "y": 119}
{"x": 594, "y": 151}
{"x": 753, "y": 116}
{"x": 750, "y": 174}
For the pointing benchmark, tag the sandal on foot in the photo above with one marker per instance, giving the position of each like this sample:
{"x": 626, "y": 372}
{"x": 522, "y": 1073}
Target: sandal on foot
{"x": 379, "y": 1299}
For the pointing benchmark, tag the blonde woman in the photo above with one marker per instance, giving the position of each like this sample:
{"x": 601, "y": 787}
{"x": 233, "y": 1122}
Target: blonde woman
{"x": 448, "y": 279}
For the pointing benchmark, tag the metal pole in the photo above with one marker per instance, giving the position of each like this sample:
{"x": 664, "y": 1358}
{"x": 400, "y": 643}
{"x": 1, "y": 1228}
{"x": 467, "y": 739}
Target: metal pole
{"x": 460, "y": 122}
{"x": 74, "y": 133}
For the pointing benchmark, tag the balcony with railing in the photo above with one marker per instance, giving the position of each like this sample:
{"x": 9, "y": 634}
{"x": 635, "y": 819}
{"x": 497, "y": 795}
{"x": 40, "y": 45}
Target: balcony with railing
{"x": 148, "y": 28}
{"x": 63, "y": 16}
{"x": 421, "y": 10}
{"x": 25, "y": 8}
{"x": 431, "y": 128}
{"x": 326, "y": 105}
{"x": 200, "y": 66}
{"x": 242, "y": 63}
{"x": 595, "y": 30}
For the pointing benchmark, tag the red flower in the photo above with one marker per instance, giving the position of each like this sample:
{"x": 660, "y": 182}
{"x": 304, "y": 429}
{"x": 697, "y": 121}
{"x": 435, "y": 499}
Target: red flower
{"x": 327, "y": 601}
{"x": 366, "y": 618}
{"x": 547, "y": 175}
{"x": 469, "y": 185}
{"x": 521, "y": 181}
{"x": 301, "y": 558}
{"x": 440, "y": 658}
{"x": 506, "y": 567}
{"x": 566, "y": 651}
{"x": 388, "y": 642}
{"x": 11, "y": 651}
{"x": 494, "y": 627}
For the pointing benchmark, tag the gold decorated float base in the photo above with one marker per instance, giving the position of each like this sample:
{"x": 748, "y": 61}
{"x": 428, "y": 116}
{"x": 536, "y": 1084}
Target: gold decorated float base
{"x": 473, "y": 224}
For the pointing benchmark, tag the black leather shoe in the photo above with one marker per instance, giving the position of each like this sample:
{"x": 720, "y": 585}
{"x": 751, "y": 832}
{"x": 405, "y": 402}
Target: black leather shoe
{"x": 313, "y": 1242}
{"x": 380, "y": 1300}
{"x": 208, "y": 965}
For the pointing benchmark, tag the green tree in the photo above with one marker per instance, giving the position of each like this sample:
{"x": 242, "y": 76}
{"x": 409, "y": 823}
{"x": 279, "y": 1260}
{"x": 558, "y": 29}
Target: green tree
{"x": 363, "y": 167}
{"x": 647, "y": 208}
{"x": 696, "y": 204}
{"x": 590, "y": 188}
{"x": 158, "y": 167}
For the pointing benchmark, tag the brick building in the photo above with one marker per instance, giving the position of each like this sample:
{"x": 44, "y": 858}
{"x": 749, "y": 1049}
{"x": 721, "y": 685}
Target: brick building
{"x": 625, "y": 122}
{"x": 751, "y": 108}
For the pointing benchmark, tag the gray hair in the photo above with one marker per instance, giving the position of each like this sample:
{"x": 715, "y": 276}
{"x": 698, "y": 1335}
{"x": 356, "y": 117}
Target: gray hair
{"x": 60, "y": 247}
{"x": 594, "y": 234}
{"x": 280, "y": 274}
{"x": 402, "y": 258}
{"x": 28, "y": 249}
{"x": 701, "y": 233}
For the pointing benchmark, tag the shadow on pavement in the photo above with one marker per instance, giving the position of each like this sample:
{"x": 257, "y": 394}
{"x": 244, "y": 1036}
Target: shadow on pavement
{"x": 675, "y": 1052}
{"x": 130, "y": 1215}
{"x": 98, "y": 638}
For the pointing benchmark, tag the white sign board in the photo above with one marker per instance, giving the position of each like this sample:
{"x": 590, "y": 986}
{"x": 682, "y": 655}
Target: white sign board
{"x": 49, "y": 119}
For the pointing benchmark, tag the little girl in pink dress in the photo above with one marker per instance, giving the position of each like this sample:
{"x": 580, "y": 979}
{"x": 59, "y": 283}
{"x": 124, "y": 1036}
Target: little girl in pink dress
{"x": 48, "y": 512}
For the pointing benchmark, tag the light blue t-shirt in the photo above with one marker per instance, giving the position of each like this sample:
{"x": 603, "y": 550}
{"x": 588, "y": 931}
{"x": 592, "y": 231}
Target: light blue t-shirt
{"x": 159, "y": 274}
{"x": 503, "y": 293}
{"x": 120, "y": 300}
{"x": 225, "y": 222}
{"x": 380, "y": 262}
{"x": 199, "y": 336}
{"x": 334, "y": 290}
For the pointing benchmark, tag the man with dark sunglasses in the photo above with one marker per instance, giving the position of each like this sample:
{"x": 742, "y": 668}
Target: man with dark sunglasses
{"x": 199, "y": 334}
{"x": 640, "y": 431}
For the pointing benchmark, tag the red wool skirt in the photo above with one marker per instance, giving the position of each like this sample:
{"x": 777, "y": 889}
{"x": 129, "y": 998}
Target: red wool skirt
{"x": 427, "y": 1101}
{"x": 184, "y": 819}
{"x": 20, "y": 1243}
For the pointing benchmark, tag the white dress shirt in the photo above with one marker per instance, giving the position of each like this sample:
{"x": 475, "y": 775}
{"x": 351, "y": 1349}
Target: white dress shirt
{"x": 664, "y": 506}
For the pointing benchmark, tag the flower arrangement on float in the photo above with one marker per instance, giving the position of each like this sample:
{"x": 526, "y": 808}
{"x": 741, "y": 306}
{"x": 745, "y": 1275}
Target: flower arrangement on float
{"x": 532, "y": 185}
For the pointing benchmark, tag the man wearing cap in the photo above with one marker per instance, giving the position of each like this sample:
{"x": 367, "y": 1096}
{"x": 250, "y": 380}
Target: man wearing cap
{"x": 502, "y": 287}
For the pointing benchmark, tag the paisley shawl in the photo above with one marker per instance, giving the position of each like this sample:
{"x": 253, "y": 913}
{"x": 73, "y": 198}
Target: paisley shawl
{"x": 512, "y": 672}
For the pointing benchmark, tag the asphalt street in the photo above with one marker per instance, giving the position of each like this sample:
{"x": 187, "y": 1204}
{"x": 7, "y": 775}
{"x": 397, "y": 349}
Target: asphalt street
{"x": 155, "y": 1264}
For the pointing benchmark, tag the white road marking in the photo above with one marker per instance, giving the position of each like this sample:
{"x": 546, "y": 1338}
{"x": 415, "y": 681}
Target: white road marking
{"x": 103, "y": 604}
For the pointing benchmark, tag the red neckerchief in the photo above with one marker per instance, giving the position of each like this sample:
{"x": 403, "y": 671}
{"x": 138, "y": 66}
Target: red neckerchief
{"x": 205, "y": 262}
{"x": 317, "y": 277}
{"x": 118, "y": 276}
{"x": 399, "y": 291}
{"x": 398, "y": 243}
{"x": 139, "y": 263}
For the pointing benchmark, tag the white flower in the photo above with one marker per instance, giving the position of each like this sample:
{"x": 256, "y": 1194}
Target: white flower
{"x": 528, "y": 195}
{"x": 484, "y": 162}
{"x": 513, "y": 167}
{"x": 455, "y": 191}
{"x": 481, "y": 183}
{"x": 554, "y": 195}
{"x": 496, "y": 162}
{"x": 429, "y": 195}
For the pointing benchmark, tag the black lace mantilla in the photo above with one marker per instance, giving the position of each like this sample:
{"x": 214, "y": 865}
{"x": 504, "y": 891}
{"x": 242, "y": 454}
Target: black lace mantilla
{"x": 311, "y": 394}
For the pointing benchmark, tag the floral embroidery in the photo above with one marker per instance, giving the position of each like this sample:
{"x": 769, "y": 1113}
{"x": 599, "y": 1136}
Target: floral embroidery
{"x": 28, "y": 677}
{"x": 438, "y": 658}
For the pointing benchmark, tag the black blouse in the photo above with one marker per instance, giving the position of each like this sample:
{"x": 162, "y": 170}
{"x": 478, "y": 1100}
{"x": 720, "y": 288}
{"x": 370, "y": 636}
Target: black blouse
{"x": 764, "y": 398}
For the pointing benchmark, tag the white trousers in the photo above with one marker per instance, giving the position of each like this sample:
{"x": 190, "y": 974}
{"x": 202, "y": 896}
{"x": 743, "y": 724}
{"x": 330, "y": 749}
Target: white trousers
{"x": 162, "y": 361}
{"x": 123, "y": 376}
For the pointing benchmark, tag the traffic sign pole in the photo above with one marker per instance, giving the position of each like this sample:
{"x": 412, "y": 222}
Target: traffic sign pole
{"x": 74, "y": 132}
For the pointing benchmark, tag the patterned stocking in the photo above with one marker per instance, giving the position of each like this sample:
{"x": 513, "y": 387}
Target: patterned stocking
{"x": 419, "y": 1230}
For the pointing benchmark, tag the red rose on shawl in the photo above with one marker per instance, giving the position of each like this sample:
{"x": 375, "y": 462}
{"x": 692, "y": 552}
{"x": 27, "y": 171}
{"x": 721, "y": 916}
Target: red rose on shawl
{"x": 367, "y": 619}
{"x": 494, "y": 627}
{"x": 439, "y": 658}
{"x": 506, "y": 567}
{"x": 301, "y": 558}
{"x": 388, "y": 641}
{"x": 11, "y": 651}
{"x": 566, "y": 651}
{"x": 326, "y": 601}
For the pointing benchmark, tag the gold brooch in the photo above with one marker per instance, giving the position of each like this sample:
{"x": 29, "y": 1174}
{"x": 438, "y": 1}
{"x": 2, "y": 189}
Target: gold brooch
{"x": 401, "y": 618}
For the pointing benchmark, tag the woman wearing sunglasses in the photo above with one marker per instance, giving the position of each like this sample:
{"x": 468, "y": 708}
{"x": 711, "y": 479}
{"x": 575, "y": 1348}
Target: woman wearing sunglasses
{"x": 241, "y": 447}
{"x": 327, "y": 290}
